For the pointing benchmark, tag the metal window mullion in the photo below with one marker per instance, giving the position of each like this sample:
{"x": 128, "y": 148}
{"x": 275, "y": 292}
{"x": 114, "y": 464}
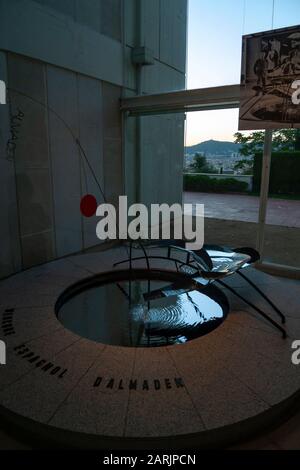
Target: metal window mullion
{"x": 264, "y": 190}
{"x": 182, "y": 101}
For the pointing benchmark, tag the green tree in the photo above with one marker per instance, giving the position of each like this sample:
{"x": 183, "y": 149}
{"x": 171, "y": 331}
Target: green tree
{"x": 201, "y": 165}
{"x": 283, "y": 140}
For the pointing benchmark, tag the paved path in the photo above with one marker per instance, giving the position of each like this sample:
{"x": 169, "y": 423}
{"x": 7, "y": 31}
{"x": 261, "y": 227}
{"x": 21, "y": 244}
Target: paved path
{"x": 282, "y": 212}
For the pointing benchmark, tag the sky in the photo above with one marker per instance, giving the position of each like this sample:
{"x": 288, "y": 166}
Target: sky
{"x": 215, "y": 29}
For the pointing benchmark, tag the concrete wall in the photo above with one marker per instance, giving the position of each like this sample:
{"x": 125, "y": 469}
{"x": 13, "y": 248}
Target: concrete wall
{"x": 67, "y": 67}
{"x": 157, "y": 169}
{"x": 10, "y": 249}
{"x": 51, "y": 174}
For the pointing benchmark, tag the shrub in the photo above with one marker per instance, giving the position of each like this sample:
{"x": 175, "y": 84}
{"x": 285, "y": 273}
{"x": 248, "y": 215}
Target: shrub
{"x": 207, "y": 184}
{"x": 284, "y": 175}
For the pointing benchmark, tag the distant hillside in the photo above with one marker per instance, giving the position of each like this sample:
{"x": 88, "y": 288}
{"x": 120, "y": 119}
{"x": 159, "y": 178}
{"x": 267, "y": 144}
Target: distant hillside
{"x": 215, "y": 147}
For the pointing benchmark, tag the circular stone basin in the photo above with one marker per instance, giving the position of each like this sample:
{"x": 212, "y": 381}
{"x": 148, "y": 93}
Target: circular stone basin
{"x": 113, "y": 308}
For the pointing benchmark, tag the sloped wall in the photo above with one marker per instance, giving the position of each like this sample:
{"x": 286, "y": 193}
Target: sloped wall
{"x": 51, "y": 174}
{"x": 66, "y": 63}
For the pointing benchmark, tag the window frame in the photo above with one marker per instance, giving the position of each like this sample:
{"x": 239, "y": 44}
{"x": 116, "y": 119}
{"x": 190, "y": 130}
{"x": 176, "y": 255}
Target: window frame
{"x": 204, "y": 99}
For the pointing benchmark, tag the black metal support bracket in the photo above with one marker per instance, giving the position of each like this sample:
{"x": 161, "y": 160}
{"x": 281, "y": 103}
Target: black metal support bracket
{"x": 257, "y": 309}
{"x": 275, "y": 308}
{"x": 176, "y": 261}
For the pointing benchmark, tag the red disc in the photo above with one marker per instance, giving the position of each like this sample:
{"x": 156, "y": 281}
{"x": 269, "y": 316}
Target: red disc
{"x": 88, "y": 205}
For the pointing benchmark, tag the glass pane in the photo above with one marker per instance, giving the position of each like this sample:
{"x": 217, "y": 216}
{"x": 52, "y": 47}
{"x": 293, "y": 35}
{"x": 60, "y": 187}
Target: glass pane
{"x": 218, "y": 176}
{"x": 214, "y": 35}
{"x": 282, "y": 229}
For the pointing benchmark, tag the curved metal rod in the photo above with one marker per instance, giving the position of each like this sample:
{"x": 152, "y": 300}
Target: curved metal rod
{"x": 130, "y": 270}
{"x": 280, "y": 314}
{"x": 147, "y": 262}
{"x": 147, "y": 256}
{"x": 137, "y": 258}
{"x": 145, "y": 253}
{"x": 257, "y": 309}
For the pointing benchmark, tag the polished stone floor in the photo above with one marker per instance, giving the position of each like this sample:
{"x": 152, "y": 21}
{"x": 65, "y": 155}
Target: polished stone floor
{"x": 237, "y": 372}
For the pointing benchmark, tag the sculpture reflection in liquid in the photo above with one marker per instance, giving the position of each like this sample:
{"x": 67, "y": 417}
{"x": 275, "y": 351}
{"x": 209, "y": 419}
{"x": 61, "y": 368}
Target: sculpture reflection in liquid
{"x": 110, "y": 314}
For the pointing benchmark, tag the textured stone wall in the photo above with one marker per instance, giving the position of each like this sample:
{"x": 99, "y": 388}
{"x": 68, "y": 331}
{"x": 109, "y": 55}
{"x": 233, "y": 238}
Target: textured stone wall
{"x": 66, "y": 68}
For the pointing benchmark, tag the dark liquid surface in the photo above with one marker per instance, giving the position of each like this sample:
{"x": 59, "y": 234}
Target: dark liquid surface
{"x": 105, "y": 314}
